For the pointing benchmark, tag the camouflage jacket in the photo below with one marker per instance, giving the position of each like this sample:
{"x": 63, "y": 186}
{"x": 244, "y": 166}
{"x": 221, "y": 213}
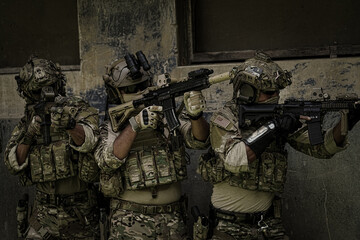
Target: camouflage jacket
{"x": 61, "y": 159}
{"x": 268, "y": 172}
{"x": 149, "y": 163}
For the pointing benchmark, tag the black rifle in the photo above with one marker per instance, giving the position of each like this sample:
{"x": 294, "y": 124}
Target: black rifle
{"x": 42, "y": 109}
{"x": 315, "y": 109}
{"x": 165, "y": 96}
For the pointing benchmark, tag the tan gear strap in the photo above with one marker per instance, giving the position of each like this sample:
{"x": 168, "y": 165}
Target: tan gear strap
{"x": 179, "y": 206}
{"x": 62, "y": 199}
{"x": 35, "y": 224}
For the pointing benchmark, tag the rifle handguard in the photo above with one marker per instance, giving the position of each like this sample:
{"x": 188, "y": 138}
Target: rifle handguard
{"x": 259, "y": 140}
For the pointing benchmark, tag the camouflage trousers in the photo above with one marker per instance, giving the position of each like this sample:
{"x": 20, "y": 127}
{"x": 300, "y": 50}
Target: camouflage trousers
{"x": 269, "y": 229}
{"x": 127, "y": 224}
{"x": 78, "y": 220}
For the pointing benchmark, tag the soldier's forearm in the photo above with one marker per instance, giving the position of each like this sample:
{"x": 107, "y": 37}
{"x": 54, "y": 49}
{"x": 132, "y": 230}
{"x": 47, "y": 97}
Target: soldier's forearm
{"x": 21, "y": 153}
{"x": 200, "y": 129}
{"x": 123, "y": 142}
{"x": 339, "y": 138}
{"x": 77, "y": 134}
{"x": 251, "y": 156}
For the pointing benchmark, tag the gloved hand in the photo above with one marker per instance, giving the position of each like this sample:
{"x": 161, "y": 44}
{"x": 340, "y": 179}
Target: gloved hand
{"x": 62, "y": 118}
{"x": 195, "y": 104}
{"x": 32, "y": 130}
{"x": 287, "y": 124}
{"x": 147, "y": 118}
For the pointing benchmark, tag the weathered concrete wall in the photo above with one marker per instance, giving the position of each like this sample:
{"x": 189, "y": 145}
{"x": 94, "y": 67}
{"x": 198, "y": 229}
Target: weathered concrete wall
{"x": 321, "y": 199}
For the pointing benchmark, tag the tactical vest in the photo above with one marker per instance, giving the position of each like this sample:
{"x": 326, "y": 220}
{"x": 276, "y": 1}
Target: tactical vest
{"x": 267, "y": 173}
{"x": 150, "y": 163}
{"x": 57, "y": 160}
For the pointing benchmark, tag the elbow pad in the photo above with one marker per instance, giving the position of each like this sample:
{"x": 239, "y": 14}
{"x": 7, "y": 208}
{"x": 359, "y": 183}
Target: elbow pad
{"x": 259, "y": 140}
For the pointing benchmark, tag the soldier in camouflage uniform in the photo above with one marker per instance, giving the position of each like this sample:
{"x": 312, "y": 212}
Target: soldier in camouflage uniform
{"x": 247, "y": 166}
{"x": 62, "y": 170}
{"x": 141, "y": 170}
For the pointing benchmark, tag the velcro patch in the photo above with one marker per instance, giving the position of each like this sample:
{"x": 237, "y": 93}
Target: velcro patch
{"x": 221, "y": 121}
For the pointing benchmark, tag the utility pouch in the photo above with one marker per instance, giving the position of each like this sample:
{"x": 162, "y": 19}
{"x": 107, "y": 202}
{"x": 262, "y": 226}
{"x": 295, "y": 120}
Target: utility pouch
{"x": 103, "y": 223}
{"x": 88, "y": 168}
{"x": 211, "y": 168}
{"x": 201, "y": 224}
{"x": 111, "y": 184}
{"x": 22, "y": 211}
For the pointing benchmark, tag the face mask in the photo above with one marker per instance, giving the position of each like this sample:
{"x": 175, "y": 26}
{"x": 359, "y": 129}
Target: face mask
{"x": 272, "y": 100}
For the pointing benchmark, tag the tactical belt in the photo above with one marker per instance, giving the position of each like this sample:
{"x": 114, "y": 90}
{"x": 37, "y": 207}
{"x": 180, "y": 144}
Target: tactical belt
{"x": 248, "y": 218}
{"x": 179, "y": 206}
{"x": 62, "y": 199}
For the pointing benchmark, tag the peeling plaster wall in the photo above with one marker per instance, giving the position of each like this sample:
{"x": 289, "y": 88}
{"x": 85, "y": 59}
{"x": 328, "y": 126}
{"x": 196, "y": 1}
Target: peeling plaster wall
{"x": 321, "y": 198}
{"x": 109, "y": 29}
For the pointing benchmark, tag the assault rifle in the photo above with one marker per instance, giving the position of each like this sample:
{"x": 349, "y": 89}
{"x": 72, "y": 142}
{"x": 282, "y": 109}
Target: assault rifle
{"x": 42, "y": 109}
{"x": 165, "y": 96}
{"x": 48, "y": 105}
{"x": 315, "y": 109}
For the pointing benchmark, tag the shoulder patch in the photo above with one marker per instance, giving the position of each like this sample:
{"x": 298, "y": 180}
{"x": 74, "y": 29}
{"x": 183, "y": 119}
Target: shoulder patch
{"x": 221, "y": 121}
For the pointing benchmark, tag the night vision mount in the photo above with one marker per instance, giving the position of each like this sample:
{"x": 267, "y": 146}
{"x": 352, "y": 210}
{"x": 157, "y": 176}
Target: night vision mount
{"x": 135, "y": 63}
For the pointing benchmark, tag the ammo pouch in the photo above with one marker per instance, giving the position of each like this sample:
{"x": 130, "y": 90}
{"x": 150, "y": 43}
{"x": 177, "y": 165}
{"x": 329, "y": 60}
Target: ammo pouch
{"x": 53, "y": 162}
{"x": 144, "y": 169}
{"x": 111, "y": 184}
{"x": 268, "y": 173}
{"x": 153, "y": 166}
{"x": 211, "y": 168}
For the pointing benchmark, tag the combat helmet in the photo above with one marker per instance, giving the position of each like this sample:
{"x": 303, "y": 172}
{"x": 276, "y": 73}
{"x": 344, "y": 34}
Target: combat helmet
{"x": 36, "y": 74}
{"x": 128, "y": 74}
{"x": 258, "y": 74}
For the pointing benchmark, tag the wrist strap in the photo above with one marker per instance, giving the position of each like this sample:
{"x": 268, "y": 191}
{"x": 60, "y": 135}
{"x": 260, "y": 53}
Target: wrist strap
{"x": 134, "y": 125}
{"x": 196, "y": 117}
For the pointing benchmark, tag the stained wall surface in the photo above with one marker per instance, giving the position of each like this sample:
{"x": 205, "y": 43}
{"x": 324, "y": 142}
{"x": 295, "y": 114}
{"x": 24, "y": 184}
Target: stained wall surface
{"x": 321, "y": 198}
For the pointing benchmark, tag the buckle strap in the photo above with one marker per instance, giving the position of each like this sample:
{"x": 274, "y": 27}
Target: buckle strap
{"x": 179, "y": 206}
{"x": 249, "y": 218}
{"x": 61, "y": 199}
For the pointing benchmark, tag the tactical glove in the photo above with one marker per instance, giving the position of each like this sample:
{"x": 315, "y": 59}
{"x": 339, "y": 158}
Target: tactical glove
{"x": 62, "y": 118}
{"x": 147, "y": 118}
{"x": 287, "y": 124}
{"x": 32, "y": 130}
{"x": 194, "y": 104}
